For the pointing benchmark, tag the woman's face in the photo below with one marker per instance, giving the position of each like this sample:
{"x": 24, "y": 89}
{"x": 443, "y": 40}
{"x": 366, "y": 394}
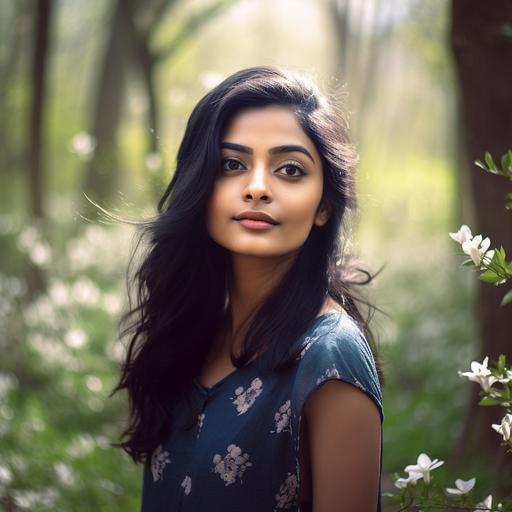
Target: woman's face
{"x": 268, "y": 165}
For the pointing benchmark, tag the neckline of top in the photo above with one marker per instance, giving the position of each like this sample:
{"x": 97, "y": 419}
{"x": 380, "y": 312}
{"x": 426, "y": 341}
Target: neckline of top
{"x": 206, "y": 390}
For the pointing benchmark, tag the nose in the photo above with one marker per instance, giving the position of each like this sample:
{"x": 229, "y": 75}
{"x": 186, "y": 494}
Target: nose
{"x": 257, "y": 186}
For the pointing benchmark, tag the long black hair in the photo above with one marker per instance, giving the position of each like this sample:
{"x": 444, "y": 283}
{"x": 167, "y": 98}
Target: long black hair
{"x": 182, "y": 280}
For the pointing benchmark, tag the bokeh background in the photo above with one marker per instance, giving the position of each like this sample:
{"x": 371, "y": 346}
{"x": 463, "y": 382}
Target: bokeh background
{"x": 94, "y": 98}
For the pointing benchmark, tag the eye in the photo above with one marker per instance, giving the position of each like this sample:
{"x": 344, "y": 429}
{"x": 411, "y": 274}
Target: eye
{"x": 231, "y": 164}
{"x": 292, "y": 168}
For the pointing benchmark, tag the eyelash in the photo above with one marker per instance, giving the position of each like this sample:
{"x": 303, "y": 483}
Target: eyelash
{"x": 287, "y": 164}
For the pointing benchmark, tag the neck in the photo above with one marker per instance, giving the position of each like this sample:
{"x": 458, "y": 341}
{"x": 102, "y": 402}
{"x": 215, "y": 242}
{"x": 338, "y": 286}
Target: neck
{"x": 252, "y": 279}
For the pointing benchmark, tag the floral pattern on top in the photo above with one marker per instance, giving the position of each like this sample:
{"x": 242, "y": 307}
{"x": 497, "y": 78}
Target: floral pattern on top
{"x": 282, "y": 418}
{"x": 308, "y": 341}
{"x": 187, "y": 484}
{"x": 232, "y": 466}
{"x": 200, "y": 419}
{"x": 288, "y": 492}
{"x": 243, "y": 450}
{"x": 245, "y": 398}
{"x": 159, "y": 459}
{"x": 330, "y": 372}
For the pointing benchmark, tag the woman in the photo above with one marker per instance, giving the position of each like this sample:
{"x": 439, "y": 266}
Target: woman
{"x": 251, "y": 380}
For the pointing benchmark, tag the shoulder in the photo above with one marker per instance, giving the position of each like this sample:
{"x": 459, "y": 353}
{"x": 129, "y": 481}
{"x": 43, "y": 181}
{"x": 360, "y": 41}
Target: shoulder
{"x": 336, "y": 349}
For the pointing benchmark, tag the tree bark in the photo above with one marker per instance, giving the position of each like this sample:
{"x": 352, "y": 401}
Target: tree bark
{"x": 35, "y": 156}
{"x": 481, "y": 41}
{"x": 35, "y": 150}
{"x": 103, "y": 172}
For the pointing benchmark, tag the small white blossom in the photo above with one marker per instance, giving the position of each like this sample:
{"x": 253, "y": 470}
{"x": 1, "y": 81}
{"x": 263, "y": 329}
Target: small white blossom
{"x": 476, "y": 248}
{"x": 401, "y": 483}
{"x": 5, "y": 475}
{"x": 83, "y": 145}
{"x": 423, "y": 467}
{"x": 64, "y": 473}
{"x": 487, "y": 258}
{"x": 40, "y": 253}
{"x": 505, "y": 428}
{"x": 462, "y": 235}
{"x": 210, "y": 79}
{"x": 75, "y": 338}
{"x": 481, "y": 374}
{"x": 486, "y": 504}
{"x": 506, "y": 378}
{"x": 153, "y": 162}
{"x": 461, "y": 487}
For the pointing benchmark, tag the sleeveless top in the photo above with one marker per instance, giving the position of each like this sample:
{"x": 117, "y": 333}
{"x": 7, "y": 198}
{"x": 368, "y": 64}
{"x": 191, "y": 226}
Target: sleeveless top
{"x": 242, "y": 453}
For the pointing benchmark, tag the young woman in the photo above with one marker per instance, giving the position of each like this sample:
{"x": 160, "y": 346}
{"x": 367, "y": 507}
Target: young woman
{"x": 252, "y": 376}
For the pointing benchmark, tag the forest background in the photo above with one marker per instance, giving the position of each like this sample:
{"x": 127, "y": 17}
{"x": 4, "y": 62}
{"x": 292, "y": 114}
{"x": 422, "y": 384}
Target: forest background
{"x": 94, "y": 97}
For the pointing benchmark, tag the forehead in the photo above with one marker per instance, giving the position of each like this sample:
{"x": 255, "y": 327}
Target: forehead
{"x": 270, "y": 125}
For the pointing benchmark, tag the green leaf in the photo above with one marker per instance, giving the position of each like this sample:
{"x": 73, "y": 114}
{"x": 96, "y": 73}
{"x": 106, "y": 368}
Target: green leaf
{"x": 507, "y": 299}
{"x": 500, "y": 256}
{"x": 506, "y": 160}
{"x": 489, "y": 276}
{"x": 491, "y": 166}
{"x": 479, "y": 163}
{"x": 489, "y": 161}
{"x": 508, "y": 168}
{"x": 487, "y": 402}
{"x": 502, "y": 362}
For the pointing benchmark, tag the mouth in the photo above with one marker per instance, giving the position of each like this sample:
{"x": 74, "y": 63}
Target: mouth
{"x": 255, "y": 225}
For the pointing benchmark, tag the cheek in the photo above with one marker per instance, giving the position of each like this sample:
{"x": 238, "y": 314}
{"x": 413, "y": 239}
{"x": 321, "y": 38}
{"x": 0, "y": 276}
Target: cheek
{"x": 301, "y": 208}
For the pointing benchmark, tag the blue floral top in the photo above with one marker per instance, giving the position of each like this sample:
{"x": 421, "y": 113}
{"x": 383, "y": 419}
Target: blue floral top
{"x": 242, "y": 453}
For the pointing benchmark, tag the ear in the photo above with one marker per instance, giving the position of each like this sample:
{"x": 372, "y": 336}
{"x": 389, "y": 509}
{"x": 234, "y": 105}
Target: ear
{"x": 322, "y": 216}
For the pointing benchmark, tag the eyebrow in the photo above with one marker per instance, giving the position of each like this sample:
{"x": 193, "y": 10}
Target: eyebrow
{"x": 287, "y": 148}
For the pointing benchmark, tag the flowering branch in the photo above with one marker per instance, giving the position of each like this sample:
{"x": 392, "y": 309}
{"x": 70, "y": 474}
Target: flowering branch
{"x": 495, "y": 268}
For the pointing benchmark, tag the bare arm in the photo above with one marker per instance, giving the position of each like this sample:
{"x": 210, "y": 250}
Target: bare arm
{"x": 344, "y": 439}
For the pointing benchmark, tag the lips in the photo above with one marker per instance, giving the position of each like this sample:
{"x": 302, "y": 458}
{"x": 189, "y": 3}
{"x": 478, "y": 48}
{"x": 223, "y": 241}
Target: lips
{"x": 259, "y": 216}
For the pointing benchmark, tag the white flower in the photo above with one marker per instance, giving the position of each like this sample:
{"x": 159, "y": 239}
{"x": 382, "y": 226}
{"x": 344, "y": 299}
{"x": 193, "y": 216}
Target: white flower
{"x": 83, "y": 145}
{"x": 476, "y": 248}
{"x": 210, "y": 79}
{"x": 505, "y": 428}
{"x": 487, "y": 258}
{"x": 506, "y": 378}
{"x": 153, "y": 162}
{"x": 481, "y": 374}
{"x": 462, "y": 486}
{"x": 75, "y": 338}
{"x": 462, "y": 235}
{"x": 401, "y": 483}
{"x": 64, "y": 473}
{"x": 5, "y": 475}
{"x": 485, "y": 504}
{"x": 40, "y": 253}
{"x": 423, "y": 467}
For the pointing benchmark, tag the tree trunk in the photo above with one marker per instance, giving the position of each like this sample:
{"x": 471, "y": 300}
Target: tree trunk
{"x": 482, "y": 48}
{"x": 35, "y": 150}
{"x": 35, "y": 161}
{"x": 102, "y": 173}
